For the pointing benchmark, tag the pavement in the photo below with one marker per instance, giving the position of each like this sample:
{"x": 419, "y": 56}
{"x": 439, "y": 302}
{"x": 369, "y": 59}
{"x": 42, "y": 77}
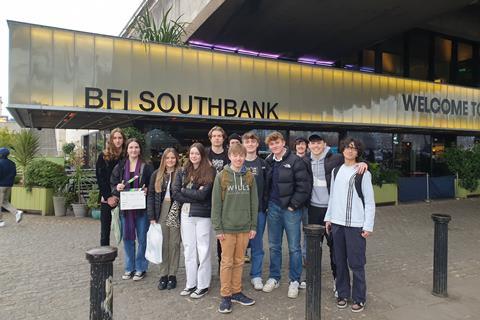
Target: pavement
{"x": 44, "y": 273}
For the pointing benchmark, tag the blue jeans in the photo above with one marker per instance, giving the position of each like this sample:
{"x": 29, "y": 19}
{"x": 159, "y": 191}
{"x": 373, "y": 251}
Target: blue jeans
{"x": 279, "y": 219}
{"x": 256, "y": 246}
{"x": 136, "y": 263}
{"x": 304, "y": 223}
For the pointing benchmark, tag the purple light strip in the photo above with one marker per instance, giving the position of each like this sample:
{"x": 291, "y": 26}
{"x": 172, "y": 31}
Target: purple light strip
{"x": 325, "y": 63}
{"x": 268, "y": 55}
{"x": 248, "y": 52}
{"x": 307, "y": 60}
{"x": 224, "y": 48}
{"x": 200, "y": 44}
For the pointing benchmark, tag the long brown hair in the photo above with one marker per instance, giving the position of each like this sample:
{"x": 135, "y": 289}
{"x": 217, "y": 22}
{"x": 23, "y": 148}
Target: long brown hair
{"x": 162, "y": 169}
{"x": 140, "y": 156}
{"x": 204, "y": 173}
{"x": 110, "y": 152}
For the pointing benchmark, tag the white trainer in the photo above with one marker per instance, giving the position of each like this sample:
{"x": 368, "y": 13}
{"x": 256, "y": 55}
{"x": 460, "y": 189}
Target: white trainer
{"x": 19, "y": 216}
{"x": 257, "y": 283}
{"x": 270, "y": 285}
{"x": 335, "y": 292}
{"x": 2, "y": 223}
{"x": 303, "y": 285}
{"x": 293, "y": 289}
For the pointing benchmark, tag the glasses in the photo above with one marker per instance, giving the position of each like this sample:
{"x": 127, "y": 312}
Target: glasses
{"x": 351, "y": 148}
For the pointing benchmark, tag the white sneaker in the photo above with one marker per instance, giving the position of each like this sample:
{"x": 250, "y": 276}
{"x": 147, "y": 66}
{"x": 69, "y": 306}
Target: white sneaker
{"x": 2, "y": 223}
{"x": 303, "y": 285}
{"x": 19, "y": 216}
{"x": 257, "y": 283}
{"x": 293, "y": 289}
{"x": 270, "y": 285}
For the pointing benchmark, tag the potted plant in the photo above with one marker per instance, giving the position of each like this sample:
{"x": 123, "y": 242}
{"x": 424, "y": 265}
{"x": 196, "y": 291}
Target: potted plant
{"x": 384, "y": 182}
{"x": 41, "y": 178}
{"x": 59, "y": 198}
{"x": 79, "y": 206}
{"x": 93, "y": 203}
{"x": 465, "y": 163}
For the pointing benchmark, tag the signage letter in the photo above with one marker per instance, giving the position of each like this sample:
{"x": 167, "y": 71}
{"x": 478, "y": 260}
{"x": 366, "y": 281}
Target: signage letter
{"x": 89, "y": 96}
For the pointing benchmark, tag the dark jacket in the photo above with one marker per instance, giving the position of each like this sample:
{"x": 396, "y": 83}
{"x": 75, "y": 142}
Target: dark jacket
{"x": 200, "y": 200}
{"x": 117, "y": 177}
{"x": 8, "y": 171}
{"x": 155, "y": 199}
{"x": 103, "y": 171}
{"x": 294, "y": 180}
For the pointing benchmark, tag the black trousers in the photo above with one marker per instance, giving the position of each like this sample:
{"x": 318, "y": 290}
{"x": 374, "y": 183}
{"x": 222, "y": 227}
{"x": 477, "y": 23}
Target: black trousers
{"x": 105, "y": 222}
{"x": 316, "y": 216}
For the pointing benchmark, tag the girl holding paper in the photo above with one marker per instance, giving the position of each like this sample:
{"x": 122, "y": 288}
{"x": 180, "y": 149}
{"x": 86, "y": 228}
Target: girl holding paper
{"x": 193, "y": 189}
{"x": 133, "y": 173}
{"x": 159, "y": 201}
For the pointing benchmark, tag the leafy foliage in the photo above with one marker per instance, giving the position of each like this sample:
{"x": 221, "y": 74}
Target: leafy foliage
{"x": 44, "y": 173}
{"x": 466, "y": 163}
{"x": 93, "y": 196}
{"x": 168, "y": 31}
{"x": 68, "y": 148}
{"x": 132, "y": 132}
{"x": 6, "y": 138}
{"x": 382, "y": 174}
{"x": 25, "y": 147}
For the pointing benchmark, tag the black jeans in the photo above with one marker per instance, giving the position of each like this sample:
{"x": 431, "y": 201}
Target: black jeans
{"x": 316, "y": 216}
{"x": 105, "y": 222}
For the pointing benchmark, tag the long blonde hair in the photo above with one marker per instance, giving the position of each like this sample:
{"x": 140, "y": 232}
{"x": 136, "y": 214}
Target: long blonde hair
{"x": 110, "y": 152}
{"x": 162, "y": 169}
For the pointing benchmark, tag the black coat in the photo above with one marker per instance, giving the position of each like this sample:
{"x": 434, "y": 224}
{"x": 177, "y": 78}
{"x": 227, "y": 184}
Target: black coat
{"x": 117, "y": 177}
{"x": 294, "y": 181}
{"x": 103, "y": 172}
{"x": 200, "y": 200}
{"x": 155, "y": 199}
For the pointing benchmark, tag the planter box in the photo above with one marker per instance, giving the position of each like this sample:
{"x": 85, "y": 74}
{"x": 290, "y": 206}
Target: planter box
{"x": 387, "y": 193}
{"x": 464, "y": 193}
{"x": 39, "y": 199}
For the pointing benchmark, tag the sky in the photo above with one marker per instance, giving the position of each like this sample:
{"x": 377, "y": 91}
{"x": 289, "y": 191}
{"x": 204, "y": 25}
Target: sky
{"x": 98, "y": 16}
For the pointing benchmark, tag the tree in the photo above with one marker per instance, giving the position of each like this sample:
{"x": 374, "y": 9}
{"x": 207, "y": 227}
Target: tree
{"x": 168, "y": 31}
{"x": 6, "y": 138}
{"x": 25, "y": 147}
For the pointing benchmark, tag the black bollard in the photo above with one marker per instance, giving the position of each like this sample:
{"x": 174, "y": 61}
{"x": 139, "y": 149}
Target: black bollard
{"x": 440, "y": 254}
{"x": 314, "y": 234}
{"x": 101, "y": 289}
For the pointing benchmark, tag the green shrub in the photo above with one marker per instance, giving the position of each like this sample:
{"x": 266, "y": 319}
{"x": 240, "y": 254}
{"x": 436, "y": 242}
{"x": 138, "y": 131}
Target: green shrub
{"x": 381, "y": 174}
{"x": 466, "y": 164}
{"x": 44, "y": 173}
{"x": 93, "y": 196}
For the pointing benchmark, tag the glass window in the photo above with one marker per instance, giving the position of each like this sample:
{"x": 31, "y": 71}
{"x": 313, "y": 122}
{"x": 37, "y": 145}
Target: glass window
{"x": 412, "y": 153}
{"x": 418, "y": 55}
{"x": 439, "y": 145}
{"x": 368, "y": 62}
{"x": 465, "y": 64}
{"x": 378, "y": 146}
{"x": 392, "y": 56}
{"x": 443, "y": 57}
{"x": 467, "y": 142}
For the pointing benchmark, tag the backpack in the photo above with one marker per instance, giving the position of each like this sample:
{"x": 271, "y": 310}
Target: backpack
{"x": 358, "y": 183}
{"x": 225, "y": 181}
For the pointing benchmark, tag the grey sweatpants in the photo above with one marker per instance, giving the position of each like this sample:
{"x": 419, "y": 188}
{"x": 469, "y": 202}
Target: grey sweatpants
{"x": 4, "y": 203}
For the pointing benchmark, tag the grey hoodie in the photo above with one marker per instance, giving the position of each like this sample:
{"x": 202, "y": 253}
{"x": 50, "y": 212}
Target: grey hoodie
{"x": 319, "y": 191}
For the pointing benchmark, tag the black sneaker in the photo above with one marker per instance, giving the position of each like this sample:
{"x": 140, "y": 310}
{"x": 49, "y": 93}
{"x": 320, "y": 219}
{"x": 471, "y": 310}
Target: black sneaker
{"x": 342, "y": 303}
{"x": 162, "y": 284}
{"x": 188, "y": 291}
{"x": 197, "y": 294}
{"x": 172, "y": 282}
{"x": 242, "y": 299}
{"x": 358, "y": 306}
{"x": 225, "y": 305}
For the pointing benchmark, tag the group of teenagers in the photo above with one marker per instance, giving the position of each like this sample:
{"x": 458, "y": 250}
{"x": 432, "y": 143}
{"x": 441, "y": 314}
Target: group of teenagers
{"x": 230, "y": 189}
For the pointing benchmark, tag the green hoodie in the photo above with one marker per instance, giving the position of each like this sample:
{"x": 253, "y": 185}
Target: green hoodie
{"x": 238, "y": 212}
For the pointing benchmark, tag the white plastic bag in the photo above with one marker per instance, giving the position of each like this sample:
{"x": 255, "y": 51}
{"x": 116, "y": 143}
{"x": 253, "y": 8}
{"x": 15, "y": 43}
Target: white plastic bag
{"x": 153, "y": 253}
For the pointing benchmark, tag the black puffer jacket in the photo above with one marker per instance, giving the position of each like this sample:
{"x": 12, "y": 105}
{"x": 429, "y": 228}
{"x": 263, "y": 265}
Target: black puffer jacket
{"x": 200, "y": 199}
{"x": 294, "y": 180}
{"x": 155, "y": 199}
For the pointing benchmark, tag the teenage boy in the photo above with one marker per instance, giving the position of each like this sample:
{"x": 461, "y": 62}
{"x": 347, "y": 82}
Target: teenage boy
{"x": 234, "y": 138}
{"x": 288, "y": 186}
{"x": 218, "y": 156}
{"x": 234, "y": 219}
{"x": 258, "y": 167}
{"x": 350, "y": 217}
{"x": 217, "y": 153}
{"x": 301, "y": 147}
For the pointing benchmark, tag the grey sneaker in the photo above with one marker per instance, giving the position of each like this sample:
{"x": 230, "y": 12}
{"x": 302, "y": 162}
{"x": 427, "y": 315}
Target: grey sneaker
{"x": 293, "y": 289}
{"x": 257, "y": 283}
{"x": 225, "y": 305}
{"x": 19, "y": 216}
{"x": 139, "y": 275}
{"x": 197, "y": 294}
{"x": 270, "y": 285}
{"x": 127, "y": 275}
{"x": 303, "y": 285}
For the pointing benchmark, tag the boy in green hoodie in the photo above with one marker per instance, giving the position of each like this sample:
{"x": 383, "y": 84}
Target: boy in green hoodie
{"x": 234, "y": 218}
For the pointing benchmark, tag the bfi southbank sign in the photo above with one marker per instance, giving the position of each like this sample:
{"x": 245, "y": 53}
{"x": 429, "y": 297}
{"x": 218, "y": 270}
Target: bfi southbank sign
{"x": 51, "y": 69}
{"x": 167, "y": 102}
